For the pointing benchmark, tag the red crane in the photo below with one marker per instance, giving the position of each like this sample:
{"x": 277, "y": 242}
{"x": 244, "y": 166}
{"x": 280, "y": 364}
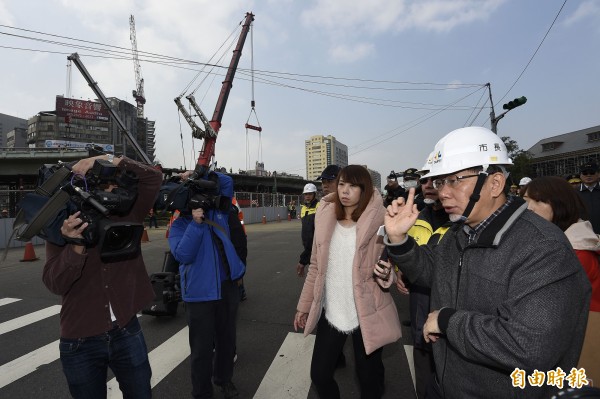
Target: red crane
{"x": 208, "y": 147}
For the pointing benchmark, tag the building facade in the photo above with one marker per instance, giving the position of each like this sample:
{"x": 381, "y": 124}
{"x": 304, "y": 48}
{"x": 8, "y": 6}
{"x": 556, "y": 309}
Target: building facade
{"x": 376, "y": 177}
{"x": 563, "y": 154}
{"x": 16, "y": 138}
{"x": 321, "y": 151}
{"x": 80, "y": 124}
{"x": 9, "y": 123}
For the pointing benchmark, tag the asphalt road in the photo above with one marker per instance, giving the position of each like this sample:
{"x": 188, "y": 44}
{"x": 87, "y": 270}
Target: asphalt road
{"x": 272, "y": 360}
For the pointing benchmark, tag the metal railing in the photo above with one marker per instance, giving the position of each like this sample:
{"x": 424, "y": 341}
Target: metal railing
{"x": 9, "y": 200}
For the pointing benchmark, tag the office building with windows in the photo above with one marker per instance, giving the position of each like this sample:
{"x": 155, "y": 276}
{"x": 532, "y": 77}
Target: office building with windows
{"x": 321, "y": 151}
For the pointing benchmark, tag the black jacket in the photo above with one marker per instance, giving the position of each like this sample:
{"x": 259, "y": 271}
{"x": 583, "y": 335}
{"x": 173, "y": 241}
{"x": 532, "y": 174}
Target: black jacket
{"x": 517, "y": 298}
{"x": 307, "y": 215}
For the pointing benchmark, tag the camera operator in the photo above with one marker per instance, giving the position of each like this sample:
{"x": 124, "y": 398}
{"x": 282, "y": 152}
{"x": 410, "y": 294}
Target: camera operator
{"x": 98, "y": 323}
{"x": 200, "y": 240}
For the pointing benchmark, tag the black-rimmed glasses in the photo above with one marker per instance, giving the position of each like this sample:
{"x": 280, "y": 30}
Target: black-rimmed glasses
{"x": 452, "y": 181}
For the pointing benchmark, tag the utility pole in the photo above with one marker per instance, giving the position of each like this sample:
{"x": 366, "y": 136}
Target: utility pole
{"x": 517, "y": 102}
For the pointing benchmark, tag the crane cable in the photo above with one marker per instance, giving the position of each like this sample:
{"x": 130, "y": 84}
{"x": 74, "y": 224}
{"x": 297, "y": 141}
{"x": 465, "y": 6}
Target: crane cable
{"x": 256, "y": 127}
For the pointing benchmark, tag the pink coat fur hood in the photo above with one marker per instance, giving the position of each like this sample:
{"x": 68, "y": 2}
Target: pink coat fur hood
{"x": 377, "y": 313}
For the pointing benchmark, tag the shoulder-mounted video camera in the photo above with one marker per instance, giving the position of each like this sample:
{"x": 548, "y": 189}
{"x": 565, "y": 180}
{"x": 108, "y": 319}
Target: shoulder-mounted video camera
{"x": 60, "y": 193}
{"x": 194, "y": 193}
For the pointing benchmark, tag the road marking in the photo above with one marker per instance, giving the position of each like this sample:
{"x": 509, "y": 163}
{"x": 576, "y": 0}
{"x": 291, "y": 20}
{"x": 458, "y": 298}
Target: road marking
{"x": 289, "y": 373}
{"x": 6, "y": 301}
{"x": 163, "y": 360}
{"x": 30, "y": 318}
{"x": 20, "y": 367}
{"x": 408, "y": 349}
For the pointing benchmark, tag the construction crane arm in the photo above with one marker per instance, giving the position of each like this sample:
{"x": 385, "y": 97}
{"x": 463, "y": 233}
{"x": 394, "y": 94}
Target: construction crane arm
{"x": 197, "y": 132}
{"x": 207, "y": 127}
{"x": 138, "y": 93}
{"x": 96, "y": 89}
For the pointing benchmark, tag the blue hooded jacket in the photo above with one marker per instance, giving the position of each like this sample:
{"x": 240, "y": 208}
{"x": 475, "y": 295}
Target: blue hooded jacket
{"x": 194, "y": 247}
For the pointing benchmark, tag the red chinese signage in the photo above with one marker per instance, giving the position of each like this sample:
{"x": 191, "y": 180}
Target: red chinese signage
{"x": 72, "y": 108}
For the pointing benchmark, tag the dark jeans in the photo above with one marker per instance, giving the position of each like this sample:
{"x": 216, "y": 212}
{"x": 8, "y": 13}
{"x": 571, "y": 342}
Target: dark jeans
{"x": 329, "y": 343}
{"x": 85, "y": 362}
{"x": 153, "y": 222}
{"x": 212, "y": 324}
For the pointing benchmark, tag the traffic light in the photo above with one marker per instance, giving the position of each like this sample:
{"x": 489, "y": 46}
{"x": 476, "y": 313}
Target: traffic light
{"x": 517, "y": 102}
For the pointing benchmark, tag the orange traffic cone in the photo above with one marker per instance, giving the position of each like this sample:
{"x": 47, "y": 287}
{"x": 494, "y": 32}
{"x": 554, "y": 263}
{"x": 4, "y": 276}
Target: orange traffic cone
{"x": 145, "y": 236}
{"x": 278, "y": 218}
{"x": 29, "y": 253}
{"x": 264, "y": 219}
{"x": 289, "y": 217}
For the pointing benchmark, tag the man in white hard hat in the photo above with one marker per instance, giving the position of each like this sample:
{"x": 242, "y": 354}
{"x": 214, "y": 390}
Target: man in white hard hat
{"x": 307, "y": 215}
{"x": 509, "y": 298}
{"x": 522, "y": 183}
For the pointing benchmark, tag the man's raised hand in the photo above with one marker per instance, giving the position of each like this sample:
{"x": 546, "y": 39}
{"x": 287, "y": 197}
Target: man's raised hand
{"x": 400, "y": 217}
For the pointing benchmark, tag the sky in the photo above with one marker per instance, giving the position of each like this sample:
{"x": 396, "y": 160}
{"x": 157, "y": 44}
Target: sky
{"x": 388, "y": 78}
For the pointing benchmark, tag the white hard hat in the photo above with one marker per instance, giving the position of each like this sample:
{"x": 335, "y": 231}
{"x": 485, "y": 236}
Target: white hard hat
{"x": 309, "y": 188}
{"x": 524, "y": 181}
{"x": 466, "y": 148}
{"x": 425, "y": 169}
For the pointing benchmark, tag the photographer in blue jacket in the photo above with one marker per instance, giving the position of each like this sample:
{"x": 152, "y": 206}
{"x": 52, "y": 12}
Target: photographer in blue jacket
{"x": 209, "y": 269}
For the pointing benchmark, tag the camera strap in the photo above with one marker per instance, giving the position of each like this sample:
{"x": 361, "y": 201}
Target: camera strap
{"x": 218, "y": 226}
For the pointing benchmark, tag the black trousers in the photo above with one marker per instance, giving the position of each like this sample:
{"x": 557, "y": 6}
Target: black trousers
{"x": 329, "y": 343}
{"x": 424, "y": 369}
{"x": 212, "y": 325}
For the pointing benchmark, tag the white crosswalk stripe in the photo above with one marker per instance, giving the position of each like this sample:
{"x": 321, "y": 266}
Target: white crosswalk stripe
{"x": 288, "y": 376}
{"x": 30, "y": 318}
{"x": 163, "y": 360}
{"x": 28, "y": 363}
{"x": 6, "y": 301}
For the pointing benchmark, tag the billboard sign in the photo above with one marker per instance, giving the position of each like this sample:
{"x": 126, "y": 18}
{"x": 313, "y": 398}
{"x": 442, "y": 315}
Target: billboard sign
{"x": 72, "y": 108}
{"x": 76, "y": 144}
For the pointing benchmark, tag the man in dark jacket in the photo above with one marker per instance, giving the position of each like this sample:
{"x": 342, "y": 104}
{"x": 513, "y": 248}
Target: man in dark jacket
{"x": 589, "y": 191}
{"x": 393, "y": 189}
{"x": 509, "y": 298}
{"x": 429, "y": 228}
{"x": 328, "y": 179}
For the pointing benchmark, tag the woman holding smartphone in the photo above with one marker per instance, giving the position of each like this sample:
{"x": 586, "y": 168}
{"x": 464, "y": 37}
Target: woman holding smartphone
{"x": 341, "y": 295}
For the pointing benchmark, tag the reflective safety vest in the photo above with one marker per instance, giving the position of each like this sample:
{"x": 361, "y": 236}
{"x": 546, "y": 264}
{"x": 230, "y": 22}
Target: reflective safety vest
{"x": 240, "y": 212}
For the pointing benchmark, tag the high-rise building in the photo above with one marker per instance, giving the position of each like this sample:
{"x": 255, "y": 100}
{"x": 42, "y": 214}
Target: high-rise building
{"x": 321, "y": 151}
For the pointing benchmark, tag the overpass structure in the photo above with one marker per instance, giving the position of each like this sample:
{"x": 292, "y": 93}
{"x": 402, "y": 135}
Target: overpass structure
{"x": 19, "y": 172}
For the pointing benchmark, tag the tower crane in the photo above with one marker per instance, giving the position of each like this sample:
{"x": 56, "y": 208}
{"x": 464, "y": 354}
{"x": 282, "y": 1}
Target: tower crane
{"x": 138, "y": 93}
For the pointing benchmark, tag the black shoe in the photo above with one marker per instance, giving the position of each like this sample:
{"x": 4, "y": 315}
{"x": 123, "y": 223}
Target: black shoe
{"x": 229, "y": 390}
{"x": 341, "y": 361}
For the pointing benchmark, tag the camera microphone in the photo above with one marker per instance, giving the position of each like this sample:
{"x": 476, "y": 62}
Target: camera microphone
{"x": 89, "y": 199}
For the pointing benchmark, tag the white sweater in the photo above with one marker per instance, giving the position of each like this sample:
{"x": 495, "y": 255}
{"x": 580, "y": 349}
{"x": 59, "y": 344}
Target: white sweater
{"x": 340, "y": 309}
